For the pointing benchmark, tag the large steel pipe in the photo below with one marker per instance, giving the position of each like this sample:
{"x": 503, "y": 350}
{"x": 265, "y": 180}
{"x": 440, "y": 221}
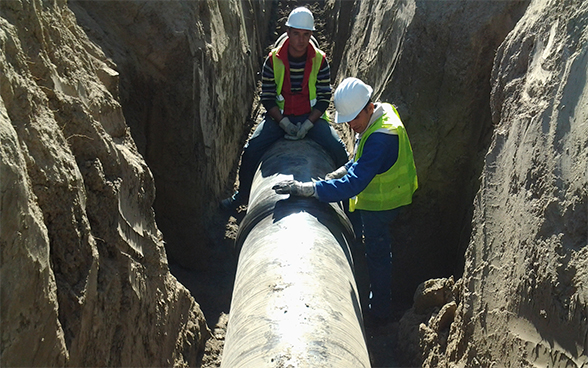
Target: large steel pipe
{"x": 295, "y": 301}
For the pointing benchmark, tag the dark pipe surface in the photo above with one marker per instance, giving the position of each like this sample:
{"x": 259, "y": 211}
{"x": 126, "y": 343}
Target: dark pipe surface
{"x": 295, "y": 302}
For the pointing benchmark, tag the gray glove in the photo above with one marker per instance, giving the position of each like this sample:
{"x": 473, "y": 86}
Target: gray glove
{"x": 339, "y": 173}
{"x": 288, "y": 127}
{"x": 292, "y": 137}
{"x": 296, "y": 188}
{"x": 302, "y": 131}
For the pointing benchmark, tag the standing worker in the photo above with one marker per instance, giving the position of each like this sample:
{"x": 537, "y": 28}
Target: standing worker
{"x": 380, "y": 179}
{"x": 295, "y": 91}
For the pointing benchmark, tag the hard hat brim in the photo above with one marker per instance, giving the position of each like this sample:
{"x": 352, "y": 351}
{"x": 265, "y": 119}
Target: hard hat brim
{"x": 304, "y": 28}
{"x": 340, "y": 119}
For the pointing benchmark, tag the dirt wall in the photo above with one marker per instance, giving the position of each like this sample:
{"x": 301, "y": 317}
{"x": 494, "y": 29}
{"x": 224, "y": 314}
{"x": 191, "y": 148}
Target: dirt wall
{"x": 433, "y": 60}
{"x": 188, "y": 79}
{"x": 83, "y": 269}
{"x": 523, "y": 298}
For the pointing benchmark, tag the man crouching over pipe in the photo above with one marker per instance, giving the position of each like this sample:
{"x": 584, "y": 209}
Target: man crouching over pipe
{"x": 381, "y": 178}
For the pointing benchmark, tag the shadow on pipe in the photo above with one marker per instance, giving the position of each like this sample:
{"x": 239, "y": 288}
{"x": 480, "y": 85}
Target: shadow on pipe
{"x": 295, "y": 301}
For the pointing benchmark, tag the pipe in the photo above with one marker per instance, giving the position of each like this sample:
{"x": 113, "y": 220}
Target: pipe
{"x": 295, "y": 301}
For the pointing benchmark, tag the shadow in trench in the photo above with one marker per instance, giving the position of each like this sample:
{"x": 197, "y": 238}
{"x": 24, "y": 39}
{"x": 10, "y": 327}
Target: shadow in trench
{"x": 212, "y": 288}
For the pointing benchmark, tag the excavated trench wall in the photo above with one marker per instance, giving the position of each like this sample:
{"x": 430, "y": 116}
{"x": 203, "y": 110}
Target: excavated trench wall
{"x": 495, "y": 106}
{"x": 494, "y": 98}
{"x": 523, "y": 297}
{"x": 433, "y": 60}
{"x": 188, "y": 81}
{"x": 84, "y": 272}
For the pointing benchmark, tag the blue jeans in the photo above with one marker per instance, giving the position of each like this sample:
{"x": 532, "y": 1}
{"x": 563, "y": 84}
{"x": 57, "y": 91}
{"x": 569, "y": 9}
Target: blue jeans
{"x": 378, "y": 242}
{"x": 268, "y": 132}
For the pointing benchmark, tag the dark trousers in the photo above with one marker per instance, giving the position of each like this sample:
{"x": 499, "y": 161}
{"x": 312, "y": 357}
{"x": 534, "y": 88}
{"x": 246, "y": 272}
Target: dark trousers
{"x": 268, "y": 132}
{"x": 378, "y": 242}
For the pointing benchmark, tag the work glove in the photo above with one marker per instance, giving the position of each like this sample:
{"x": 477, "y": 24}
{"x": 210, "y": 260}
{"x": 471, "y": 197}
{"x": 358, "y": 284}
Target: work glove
{"x": 292, "y": 137}
{"x": 295, "y": 188}
{"x": 302, "y": 131}
{"x": 288, "y": 127}
{"x": 339, "y": 173}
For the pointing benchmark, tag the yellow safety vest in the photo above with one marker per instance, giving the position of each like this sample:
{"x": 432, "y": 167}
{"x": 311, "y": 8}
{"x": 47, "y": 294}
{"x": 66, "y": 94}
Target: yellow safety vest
{"x": 393, "y": 188}
{"x": 280, "y": 71}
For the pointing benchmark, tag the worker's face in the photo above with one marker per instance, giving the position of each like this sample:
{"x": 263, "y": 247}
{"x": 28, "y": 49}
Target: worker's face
{"x": 299, "y": 39}
{"x": 360, "y": 123}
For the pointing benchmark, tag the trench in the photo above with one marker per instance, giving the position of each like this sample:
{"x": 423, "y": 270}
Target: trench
{"x": 213, "y": 286}
{"x": 205, "y": 238}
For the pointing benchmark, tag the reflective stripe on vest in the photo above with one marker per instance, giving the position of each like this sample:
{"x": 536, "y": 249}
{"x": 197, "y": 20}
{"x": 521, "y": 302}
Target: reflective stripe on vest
{"x": 393, "y": 188}
{"x": 280, "y": 71}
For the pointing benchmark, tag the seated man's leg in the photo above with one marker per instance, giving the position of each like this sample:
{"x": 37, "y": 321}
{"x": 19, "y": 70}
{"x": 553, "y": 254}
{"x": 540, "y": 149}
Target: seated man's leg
{"x": 266, "y": 133}
{"x": 324, "y": 134}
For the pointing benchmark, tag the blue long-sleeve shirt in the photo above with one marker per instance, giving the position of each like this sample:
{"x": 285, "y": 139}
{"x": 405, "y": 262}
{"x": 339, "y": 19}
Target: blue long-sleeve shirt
{"x": 380, "y": 152}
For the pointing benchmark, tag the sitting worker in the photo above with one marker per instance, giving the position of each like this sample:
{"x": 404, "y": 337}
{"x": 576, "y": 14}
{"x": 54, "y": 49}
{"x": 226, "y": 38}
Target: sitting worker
{"x": 296, "y": 91}
{"x": 380, "y": 179}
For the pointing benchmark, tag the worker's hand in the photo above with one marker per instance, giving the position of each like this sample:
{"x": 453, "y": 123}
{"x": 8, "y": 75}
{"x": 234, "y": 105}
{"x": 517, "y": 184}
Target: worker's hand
{"x": 288, "y": 127}
{"x": 306, "y": 126}
{"x": 292, "y": 137}
{"x": 296, "y": 188}
{"x": 339, "y": 173}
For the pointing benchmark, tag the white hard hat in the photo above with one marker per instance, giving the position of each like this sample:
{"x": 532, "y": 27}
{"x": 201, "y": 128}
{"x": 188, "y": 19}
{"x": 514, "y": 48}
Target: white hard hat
{"x": 350, "y": 98}
{"x": 301, "y": 18}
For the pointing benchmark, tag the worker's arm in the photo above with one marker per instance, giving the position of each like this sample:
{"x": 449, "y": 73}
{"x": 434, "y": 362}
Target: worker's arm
{"x": 268, "y": 87}
{"x": 268, "y": 99}
{"x": 380, "y": 152}
{"x": 275, "y": 114}
{"x": 315, "y": 115}
{"x": 323, "y": 92}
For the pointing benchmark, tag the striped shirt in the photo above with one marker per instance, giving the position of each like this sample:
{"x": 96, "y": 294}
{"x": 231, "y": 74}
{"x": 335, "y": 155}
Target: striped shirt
{"x": 323, "y": 82}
